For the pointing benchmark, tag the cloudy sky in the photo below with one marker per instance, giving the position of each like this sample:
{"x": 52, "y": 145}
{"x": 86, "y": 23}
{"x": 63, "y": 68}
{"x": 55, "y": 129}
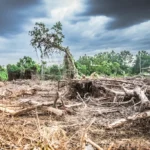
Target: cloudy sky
{"x": 89, "y": 26}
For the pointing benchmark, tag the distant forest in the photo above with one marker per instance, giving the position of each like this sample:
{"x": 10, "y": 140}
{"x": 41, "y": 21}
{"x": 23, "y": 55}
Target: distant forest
{"x": 105, "y": 63}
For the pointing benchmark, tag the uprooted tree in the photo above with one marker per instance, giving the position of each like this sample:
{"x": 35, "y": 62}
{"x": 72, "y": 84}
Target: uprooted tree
{"x": 48, "y": 41}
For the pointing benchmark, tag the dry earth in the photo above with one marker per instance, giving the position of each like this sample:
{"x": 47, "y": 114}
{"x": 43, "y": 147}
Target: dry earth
{"x": 83, "y": 124}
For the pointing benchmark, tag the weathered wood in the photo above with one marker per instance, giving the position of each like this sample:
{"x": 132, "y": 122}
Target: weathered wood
{"x": 114, "y": 91}
{"x": 35, "y": 102}
{"x": 123, "y": 121}
{"x": 74, "y": 105}
{"x": 140, "y": 94}
{"x": 49, "y": 109}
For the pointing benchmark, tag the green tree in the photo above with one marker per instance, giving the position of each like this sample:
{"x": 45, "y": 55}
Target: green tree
{"x": 109, "y": 63}
{"x": 85, "y": 65}
{"x": 142, "y": 61}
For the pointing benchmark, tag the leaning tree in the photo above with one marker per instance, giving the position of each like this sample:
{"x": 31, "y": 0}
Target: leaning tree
{"x": 48, "y": 41}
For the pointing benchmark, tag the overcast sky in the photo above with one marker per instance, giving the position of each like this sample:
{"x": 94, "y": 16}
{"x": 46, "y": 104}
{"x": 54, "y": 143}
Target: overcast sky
{"x": 89, "y": 26}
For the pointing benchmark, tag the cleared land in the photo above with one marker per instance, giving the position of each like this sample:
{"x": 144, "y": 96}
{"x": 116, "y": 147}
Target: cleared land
{"x": 88, "y": 114}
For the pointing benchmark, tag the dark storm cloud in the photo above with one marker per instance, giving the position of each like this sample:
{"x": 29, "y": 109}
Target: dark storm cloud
{"x": 15, "y": 13}
{"x": 124, "y": 13}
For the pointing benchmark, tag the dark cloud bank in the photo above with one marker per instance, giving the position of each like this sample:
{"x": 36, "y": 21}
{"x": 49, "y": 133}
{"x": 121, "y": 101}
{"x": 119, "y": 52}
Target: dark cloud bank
{"x": 124, "y": 13}
{"x": 15, "y": 13}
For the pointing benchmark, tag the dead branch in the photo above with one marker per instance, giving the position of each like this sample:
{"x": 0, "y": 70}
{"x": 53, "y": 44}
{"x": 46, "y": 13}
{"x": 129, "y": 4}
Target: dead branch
{"x": 114, "y": 91}
{"x": 34, "y": 102}
{"x": 20, "y": 112}
{"x": 55, "y": 111}
{"x": 94, "y": 144}
{"x": 123, "y": 121}
{"x": 81, "y": 99}
{"x": 73, "y": 105}
{"x": 140, "y": 93}
{"x": 21, "y": 92}
{"x": 5, "y": 109}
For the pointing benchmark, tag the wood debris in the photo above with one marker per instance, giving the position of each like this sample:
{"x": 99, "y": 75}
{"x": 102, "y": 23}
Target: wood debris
{"x": 30, "y": 111}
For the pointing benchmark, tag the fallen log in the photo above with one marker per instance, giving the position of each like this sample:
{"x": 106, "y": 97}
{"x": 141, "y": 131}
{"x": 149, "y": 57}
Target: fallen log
{"x": 123, "y": 121}
{"x": 49, "y": 109}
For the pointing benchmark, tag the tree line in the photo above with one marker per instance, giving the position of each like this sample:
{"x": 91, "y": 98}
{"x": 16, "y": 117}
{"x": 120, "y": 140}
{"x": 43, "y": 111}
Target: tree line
{"x": 112, "y": 63}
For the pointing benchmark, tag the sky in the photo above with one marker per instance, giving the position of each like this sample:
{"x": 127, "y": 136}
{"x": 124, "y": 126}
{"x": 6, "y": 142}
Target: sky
{"x": 89, "y": 26}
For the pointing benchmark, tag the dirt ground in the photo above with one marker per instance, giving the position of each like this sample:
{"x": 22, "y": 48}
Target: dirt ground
{"x": 41, "y": 130}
